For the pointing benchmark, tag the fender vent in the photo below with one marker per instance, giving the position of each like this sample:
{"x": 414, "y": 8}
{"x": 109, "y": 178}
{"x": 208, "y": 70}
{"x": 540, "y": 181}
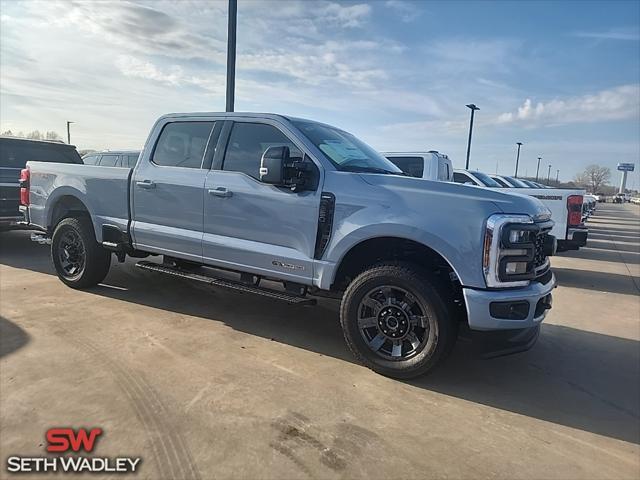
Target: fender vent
{"x": 325, "y": 223}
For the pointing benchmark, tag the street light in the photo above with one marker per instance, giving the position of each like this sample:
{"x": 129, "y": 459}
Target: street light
{"x": 538, "y": 168}
{"x": 69, "y": 132}
{"x": 549, "y": 173}
{"x": 473, "y": 111}
{"x": 518, "y": 157}
{"x": 231, "y": 54}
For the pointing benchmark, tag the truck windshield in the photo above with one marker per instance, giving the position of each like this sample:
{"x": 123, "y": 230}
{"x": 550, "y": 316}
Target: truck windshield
{"x": 486, "y": 180}
{"x": 345, "y": 151}
{"x": 515, "y": 182}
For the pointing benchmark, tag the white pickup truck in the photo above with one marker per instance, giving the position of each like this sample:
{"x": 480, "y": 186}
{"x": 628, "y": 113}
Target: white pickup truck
{"x": 565, "y": 206}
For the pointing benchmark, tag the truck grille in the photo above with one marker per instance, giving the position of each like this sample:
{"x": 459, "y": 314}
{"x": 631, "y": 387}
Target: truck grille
{"x": 539, "y": 257}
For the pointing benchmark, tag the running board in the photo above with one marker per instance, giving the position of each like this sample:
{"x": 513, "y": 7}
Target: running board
{"x": 231, "y": 284}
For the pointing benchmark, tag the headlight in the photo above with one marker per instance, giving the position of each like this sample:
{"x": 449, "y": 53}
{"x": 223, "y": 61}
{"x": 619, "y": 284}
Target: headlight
{"x": 509, "y": 250}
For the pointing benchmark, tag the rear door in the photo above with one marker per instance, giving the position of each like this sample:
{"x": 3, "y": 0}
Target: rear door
{"x": 252, "y": 226}
{"x": 168, "y": 189}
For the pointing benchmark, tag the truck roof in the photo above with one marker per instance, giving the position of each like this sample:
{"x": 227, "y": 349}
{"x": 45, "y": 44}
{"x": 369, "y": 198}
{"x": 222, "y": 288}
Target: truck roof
{"x": 272, "y": 116}
{"x": 33, "y": 140}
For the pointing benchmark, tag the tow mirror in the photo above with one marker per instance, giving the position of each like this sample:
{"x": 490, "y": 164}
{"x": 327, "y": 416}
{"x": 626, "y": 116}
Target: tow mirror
{"x": 273, "y": 163}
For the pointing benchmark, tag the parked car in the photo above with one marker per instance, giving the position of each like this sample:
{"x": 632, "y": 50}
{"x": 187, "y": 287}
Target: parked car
{"x": 313, "y": 207}
{"x": 112, "y": 158}
{"x": 565, "y": 205}
{"x": 510, "y": 182}
{"x": 14, "y": 154}
{"x": 431, "y": 165}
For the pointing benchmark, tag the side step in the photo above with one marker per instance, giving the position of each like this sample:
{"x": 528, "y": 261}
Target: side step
{"x": 233, "y": 285}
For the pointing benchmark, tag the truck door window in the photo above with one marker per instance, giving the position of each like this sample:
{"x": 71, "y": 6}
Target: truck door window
{"x": 90, "y": 159}
{"x": 413, "y": 166}
{"x": 182, "y": 144}
{"x": 462, "y": 178}
{"x": 109, "y": 160}
{"x": 247, "y": 143}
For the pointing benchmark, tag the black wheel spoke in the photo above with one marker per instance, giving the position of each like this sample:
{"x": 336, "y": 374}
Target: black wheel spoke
{"x": 377, "y": 342}
{"x": 397, "y": 349}
{"x": 367, "y": 322}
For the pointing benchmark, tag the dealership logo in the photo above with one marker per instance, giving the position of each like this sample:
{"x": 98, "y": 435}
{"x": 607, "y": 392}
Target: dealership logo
{"x": 70, "y": 443}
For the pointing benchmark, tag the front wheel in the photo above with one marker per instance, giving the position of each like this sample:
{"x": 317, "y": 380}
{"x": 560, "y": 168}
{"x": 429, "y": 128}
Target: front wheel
{"x": 79, "y": 260}
{"x": 397, "y": 320}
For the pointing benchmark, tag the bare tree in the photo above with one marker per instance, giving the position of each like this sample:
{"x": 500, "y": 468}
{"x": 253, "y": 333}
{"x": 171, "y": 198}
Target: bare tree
{"x": 593, "y": 177}
{"x": 7, "y": 133}
{"x": 51, "y": 135}
{"x": 35, "y": 135}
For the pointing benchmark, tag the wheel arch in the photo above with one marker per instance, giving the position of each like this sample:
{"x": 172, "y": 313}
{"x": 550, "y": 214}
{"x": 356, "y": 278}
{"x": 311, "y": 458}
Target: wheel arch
{"x": 378, "y": 249}
{"x": 65, "y": 204}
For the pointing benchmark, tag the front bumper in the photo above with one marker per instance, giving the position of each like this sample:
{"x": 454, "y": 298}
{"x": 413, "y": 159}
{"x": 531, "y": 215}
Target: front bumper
{"x": 537, "y": 295}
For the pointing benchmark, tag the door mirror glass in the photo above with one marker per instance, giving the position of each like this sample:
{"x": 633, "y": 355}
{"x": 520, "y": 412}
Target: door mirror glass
{"x": 273, "y": 164}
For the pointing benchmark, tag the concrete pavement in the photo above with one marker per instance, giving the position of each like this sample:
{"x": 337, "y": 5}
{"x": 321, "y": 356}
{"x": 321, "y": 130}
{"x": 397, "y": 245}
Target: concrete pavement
{"x": 217, "y": 384}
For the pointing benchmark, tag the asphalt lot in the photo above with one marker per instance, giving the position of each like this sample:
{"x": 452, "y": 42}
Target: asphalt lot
{"x": 206, "y": 384}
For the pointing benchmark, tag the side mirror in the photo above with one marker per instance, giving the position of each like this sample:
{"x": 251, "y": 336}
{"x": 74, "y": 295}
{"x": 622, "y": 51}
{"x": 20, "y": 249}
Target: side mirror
{"x": 273, "y": 163}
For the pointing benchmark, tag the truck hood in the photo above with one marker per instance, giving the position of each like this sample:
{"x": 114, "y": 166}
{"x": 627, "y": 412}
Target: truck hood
{"x": 413, "y": 188}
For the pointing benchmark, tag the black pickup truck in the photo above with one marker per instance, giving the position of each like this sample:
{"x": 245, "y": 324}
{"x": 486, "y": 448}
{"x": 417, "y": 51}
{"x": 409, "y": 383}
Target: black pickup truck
{"x": 14, "y": 155}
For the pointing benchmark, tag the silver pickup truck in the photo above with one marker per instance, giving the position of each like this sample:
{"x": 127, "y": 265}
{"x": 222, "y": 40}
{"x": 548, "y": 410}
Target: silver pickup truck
{"x": 275, "y": 198}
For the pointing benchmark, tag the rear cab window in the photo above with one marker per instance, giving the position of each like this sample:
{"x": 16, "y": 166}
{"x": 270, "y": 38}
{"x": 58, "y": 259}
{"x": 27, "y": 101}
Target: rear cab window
{"x": 413, "y": 166}
{"x": 182, "y": 144}
{"x": 16, "y": 153}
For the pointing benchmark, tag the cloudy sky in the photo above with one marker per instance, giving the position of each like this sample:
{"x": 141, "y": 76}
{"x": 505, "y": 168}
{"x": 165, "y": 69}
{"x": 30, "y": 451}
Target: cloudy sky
{"x": 564, "y": 78}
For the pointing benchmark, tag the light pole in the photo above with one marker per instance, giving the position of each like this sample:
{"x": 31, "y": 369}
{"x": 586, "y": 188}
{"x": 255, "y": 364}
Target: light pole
{"x": 549, "y": 173}
{"x": 69, "y": 132}
{"x": 518, "y": 157}
{"x": 538, "y": 168}
{"x": 557, "y": 174}
{"x": 231, "y": 54}
{"x": 473, "y": 111}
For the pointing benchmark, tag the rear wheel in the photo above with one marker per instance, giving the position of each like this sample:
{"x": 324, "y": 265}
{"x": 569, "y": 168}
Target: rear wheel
{"x": 397, "y": 320}
{"x": 79, "y": 260}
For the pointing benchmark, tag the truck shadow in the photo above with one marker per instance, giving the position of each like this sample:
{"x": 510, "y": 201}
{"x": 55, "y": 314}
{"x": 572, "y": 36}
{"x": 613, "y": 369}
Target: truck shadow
{"x": 575, "y": 378}
{"x": 599, "y": 281}
{"x": 12, "y": 337}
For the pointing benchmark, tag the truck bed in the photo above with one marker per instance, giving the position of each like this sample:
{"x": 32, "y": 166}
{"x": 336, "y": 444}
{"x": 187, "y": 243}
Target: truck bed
{"x": 104, "y": 191}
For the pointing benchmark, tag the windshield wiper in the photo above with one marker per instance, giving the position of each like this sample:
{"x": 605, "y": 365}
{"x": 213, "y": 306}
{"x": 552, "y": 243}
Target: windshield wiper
{"x": 365, "y": 169}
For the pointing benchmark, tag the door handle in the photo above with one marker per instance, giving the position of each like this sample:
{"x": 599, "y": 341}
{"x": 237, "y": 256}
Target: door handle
{"x": 146, "y": 184}
{"x": 220, "y": 192}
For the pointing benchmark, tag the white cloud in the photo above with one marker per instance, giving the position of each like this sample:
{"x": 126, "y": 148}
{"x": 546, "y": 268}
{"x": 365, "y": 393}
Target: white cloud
{"x": 407, "y": 11}
{"x": 617, "y": 103}
{"x": 628, "y": 34}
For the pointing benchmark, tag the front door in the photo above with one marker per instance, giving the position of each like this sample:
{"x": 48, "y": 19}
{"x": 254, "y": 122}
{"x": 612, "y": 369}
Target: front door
{"x": 252, "y": 226}
{"x": 168, "y": 190}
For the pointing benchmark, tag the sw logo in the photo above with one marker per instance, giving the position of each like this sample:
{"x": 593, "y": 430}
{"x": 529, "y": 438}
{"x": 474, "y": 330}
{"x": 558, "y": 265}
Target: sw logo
{"x": 66, "y": 440}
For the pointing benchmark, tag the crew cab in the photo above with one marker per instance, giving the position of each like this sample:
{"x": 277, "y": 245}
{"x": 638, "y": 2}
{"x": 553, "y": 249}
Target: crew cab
{"x": 14, "y": 154}
{"x": 565, "y": 205}
{"x": 270, "y": 197}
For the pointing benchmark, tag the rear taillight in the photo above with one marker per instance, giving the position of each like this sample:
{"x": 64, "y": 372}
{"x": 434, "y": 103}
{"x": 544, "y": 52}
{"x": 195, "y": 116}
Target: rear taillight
{"x": 574, "y": 206}
{"x": 25, "y": 176}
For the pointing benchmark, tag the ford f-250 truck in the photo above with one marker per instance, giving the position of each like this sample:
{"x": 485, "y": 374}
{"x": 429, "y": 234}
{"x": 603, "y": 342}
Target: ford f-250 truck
{"x": 311, "y": 206}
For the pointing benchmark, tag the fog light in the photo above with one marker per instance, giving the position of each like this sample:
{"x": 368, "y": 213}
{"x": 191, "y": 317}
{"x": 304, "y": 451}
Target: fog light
{"x": 516, "y": 268}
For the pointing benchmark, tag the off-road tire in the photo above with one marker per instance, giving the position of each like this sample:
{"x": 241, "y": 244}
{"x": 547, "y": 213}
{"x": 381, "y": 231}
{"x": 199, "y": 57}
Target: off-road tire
{"x": 432, "y": 297}
{"x": 97, "y": 260}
